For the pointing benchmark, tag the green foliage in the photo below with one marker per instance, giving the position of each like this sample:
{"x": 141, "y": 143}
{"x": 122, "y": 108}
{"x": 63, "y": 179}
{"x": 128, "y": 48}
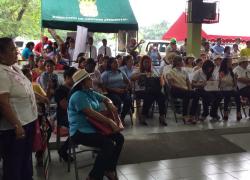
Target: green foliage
{"x": 155, "y": 31}
{"x": 20, "y": 18}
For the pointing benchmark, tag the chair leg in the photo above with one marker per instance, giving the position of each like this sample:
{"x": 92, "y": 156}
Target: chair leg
{"x": 58, "y": 140}
{"x": 131, "y": 117}
{"x": 69, "y": 154}
{"x": 75, "y": 163}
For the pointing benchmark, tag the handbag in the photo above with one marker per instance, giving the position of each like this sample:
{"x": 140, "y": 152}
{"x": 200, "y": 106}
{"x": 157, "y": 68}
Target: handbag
{"x": 37, "y": 144}
{"x": 104, "y": 128}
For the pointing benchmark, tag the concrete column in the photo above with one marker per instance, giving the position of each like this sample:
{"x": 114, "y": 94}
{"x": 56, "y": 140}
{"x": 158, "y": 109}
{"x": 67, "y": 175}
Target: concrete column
{"x": 194, "y": 39}
{"x": 194, "y": 36}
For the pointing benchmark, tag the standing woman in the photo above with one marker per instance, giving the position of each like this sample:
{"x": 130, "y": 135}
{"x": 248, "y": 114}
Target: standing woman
{"x": 228, "y": 86}
{"x": 84, "y": 103}
{"x": 18, "y": 112}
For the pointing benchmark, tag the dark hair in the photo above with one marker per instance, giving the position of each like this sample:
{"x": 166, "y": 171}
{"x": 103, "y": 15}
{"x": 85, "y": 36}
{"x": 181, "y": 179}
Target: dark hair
{"x": 186, "y": 60}
{"x": 25, "y": 70}
{"x": 205, "y": 68}
{"x": 125, "y": 59}
{"x": 50, "y": 48}
{"x": 198, "y": 61}
{"x": 81, "y": 59}
{"x": 29, "y": 44}
{"x": 69, "y": 72}
{"x": 49, "y": 62}
{"x": 109, "y": 63}
{"x": 90, "y": 65}
{"x": 177, "y": 59}
{"x": 227, "y": 48}
{"x": 224, "y": 69}
{"x": 4, "y": 44}
{"x": 118, "y": 56}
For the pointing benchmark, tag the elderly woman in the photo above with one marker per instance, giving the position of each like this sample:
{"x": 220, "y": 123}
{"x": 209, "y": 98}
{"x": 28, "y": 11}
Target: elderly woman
{"x": 18, "y": 112}
{"x": 228, "y": 86}
{"x": 148, "y": 88}
{"x": 180, "y": 87}
{"x": 117, "y": 85}
{"x": 84, "y": 103}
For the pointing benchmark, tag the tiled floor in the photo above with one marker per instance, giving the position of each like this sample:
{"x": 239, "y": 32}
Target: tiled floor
{"x": 220, "y": 167}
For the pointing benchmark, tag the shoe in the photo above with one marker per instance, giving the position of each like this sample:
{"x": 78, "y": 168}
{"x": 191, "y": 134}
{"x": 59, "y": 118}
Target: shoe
{"x": 162, "y": 121}
{"x": 238, "y": 116}
{"x": 225, "y": 117}
{"x": 142, "y": 120}
{"x": 65, "y": 156}
{"x": 111, "y": 175}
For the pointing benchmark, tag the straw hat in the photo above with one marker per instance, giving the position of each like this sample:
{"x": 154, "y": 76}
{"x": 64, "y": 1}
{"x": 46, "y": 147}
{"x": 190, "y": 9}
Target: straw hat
{"x": 190, "y": 56}
{"x": 79, "y": 76}
{"x": 217, "y": 57}
{"x": 243, "y": 59}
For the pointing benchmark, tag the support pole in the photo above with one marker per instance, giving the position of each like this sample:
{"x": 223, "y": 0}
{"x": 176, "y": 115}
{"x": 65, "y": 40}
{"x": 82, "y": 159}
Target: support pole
{"x": 194, "y": 35}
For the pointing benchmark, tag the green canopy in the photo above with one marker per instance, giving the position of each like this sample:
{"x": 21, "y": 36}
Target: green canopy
{"x": 96, "y": 15}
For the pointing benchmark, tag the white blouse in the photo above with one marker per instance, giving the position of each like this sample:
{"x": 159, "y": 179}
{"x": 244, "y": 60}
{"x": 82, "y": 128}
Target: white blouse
{"x": 22, "y": 98}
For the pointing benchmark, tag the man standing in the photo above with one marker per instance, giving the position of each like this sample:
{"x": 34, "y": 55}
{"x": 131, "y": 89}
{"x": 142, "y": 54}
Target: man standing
{"x": 246, "y": 52}
{"x": 218, "y": 49}
{"x": 71, "y": 50}
{"x": 172, "y": 47}
{"x": 42, "y": 45}
{"x": 104, "y": 49}
{"x": 91, "y": 49}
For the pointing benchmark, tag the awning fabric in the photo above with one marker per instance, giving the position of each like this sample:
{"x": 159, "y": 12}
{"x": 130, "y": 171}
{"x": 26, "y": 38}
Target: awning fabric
{"x": 96, "y": 15}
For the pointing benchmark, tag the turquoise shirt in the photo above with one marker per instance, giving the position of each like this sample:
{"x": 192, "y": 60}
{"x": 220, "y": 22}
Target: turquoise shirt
{"x": 79, "y": 101}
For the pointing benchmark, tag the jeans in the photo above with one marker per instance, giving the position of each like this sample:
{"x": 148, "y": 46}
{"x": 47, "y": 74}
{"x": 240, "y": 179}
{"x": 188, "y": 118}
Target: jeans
{"x": 17, "y": 154}
{"x": 110, "y": 149}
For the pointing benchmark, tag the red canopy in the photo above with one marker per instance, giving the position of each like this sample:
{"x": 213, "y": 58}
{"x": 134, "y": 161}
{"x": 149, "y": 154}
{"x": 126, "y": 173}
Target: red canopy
{"x": 179, "y": 30}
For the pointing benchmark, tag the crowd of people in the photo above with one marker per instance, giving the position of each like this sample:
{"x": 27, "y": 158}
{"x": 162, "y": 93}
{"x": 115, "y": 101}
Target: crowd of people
{"x": 96, "y": 81}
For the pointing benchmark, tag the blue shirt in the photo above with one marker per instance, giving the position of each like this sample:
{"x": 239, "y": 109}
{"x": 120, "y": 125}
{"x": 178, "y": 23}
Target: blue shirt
{"x": 127, "y": 71}
{"x": 114, "y": 79}
{"x": 26, "y": 53}
{"x": 79, "y": 101}
{"x": 218, "y": 50}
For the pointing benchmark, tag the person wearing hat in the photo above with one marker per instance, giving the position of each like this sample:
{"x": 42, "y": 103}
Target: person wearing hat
{"x": 243, "y": 77}
{"x": 217, "y": 62}
{"x": 172, "y": 47}
{"x": 83, "y": 103}
{"x": 246, "y": 51}
{"x": 189, "y": 65}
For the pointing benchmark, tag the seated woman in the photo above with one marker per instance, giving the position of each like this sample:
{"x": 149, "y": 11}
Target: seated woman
{"x": 180, "y": 87}
{"x": 228, "y": 86}
{"x": 199, "y": 82}
{"x": 95, "y": 75}
{"x": 117, "y": 85}
{"x": 48, "y": 79}
{"x": 39, "y": 69}
{"x": 85, "y": 102}
{"x": 189, "y": 65}
{"x": 143, "y": 76}
{"x": 127, "y": 66}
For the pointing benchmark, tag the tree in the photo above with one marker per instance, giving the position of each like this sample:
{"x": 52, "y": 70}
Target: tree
{"x": 20, "y": 18}
{"x": 155, "y": 31}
